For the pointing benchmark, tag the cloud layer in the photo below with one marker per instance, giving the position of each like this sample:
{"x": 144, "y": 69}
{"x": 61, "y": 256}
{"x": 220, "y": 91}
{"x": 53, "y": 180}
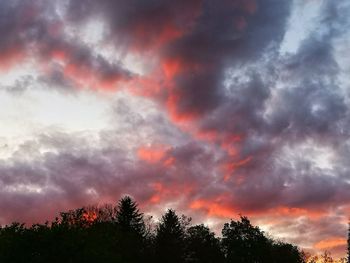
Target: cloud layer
{"x": 207, "y": 114}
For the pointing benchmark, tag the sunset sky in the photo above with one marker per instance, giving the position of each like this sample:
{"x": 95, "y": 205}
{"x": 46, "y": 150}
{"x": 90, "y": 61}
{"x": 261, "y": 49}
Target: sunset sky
{"x": 213, "y": 108}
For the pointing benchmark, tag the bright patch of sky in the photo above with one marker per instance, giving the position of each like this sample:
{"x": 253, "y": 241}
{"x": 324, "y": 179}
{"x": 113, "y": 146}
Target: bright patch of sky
{"x": 309, "y": 154}
{"x": 37, "y": 109}
{"x": 9, "y": 78}
{"x": 302, "y": 21}
{"x": 42, "y": 110}
{"x": 341, "y": 50}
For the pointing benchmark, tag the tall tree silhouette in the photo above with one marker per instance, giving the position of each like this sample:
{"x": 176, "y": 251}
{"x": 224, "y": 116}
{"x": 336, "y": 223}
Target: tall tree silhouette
{"x": 170, "y": 239}
{"x": 131, "y": 228}
{"x": 128, "y": 216}
{"x": 202, "y": 246}
{"x": 244, "y": 243}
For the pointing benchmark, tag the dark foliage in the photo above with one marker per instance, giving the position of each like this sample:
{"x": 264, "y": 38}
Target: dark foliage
{"x": 129, "y": 217}
{"x": 202, "y": 246}
{"x": 119, "y": 234}
{"x": 131, "y": 228}
{"x": 245, "y": 243}
{"x": 286, "y": 253}
{"x": 170, "y": 238}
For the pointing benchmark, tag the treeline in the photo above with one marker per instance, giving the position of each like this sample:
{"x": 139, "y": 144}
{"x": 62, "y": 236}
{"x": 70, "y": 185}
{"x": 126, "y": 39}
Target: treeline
{"x": 122, "y": 234}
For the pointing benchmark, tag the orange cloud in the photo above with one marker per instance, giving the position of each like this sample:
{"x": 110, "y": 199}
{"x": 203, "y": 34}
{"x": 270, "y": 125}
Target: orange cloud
{"x": 159, "y": 192}
{"x": 80, "y": 74}
{"x": 86, "y": 77}
{"x": 231, "y": 167}
{"x": 296, "y": 212}
{"x": 171, "y": 68}
{"x": 177, "y": 116}
{"x": 156, "y": 31}
{"x": 223, "y": 206}
{"x": 229, "y": 144}
{"x": 164, "y": 192}
{"x": 210, "y": 136}
{"x": 149, "y": 37}
{"x": 156, "y": 154}
{"x": 214, "y": 208}
{"x": 169, "y": 162}
{"x": 145, "y": 87}
{"x": 60, "y": 55}
{"x": 110, "y": 83}
{"x": 151, "y": 155}
{"x": 83, "y": 73}
{"x": 330, "y": 243}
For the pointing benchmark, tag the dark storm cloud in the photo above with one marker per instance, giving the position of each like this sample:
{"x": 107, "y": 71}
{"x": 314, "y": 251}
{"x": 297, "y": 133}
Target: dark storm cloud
{"x": 312, "y": 77}
{"x": 217, "y": 42}
{"x": 320, "y": 108}
{"x": 200, "y": 38}
{"x": 309, "y": 103}
{"x": 11, "y": 13}
{"x": 136, "y": 23}
{"x": 242, "y": 109}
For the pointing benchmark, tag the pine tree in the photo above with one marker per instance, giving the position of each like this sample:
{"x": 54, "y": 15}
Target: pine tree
{"x": 170, "y": 238}
{"x": 128, "y": 216}
{"x": 131, "y": 230}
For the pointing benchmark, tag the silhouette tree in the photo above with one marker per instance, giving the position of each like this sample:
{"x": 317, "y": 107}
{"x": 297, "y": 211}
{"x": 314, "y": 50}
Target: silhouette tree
{"x": 286, "y": 253}
{"x": 202, "y": 246}
{"x": 312, "y": 259}
{"x": 12, "y": 242}
{"x": 170, "y": 238}
{"x": 117, "y": 234}
{"x": 128, "y": 216}
{"x": 244, "y": 243}
{"x": 327, "y": 258}
{"x": 132, "y": 230}
{"x": 309, "y": 258}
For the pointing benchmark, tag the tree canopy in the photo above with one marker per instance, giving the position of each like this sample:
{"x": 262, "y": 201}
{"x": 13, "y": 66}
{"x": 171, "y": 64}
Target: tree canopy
{"x": 119, "y": 234}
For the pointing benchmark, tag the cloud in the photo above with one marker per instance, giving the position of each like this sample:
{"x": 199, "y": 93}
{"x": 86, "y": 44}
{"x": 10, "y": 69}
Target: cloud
{"x": 223, "y": 124}
{"x": 193, "y": 40}
{"x": 35, "y": 31}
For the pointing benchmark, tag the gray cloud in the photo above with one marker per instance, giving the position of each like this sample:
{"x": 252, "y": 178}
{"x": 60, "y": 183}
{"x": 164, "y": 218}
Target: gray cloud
{"x": 268, "y": 114}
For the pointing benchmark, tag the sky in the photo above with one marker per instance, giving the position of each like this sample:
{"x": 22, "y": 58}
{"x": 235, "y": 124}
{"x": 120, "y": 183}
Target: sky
{"x": 214, "y": 108}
